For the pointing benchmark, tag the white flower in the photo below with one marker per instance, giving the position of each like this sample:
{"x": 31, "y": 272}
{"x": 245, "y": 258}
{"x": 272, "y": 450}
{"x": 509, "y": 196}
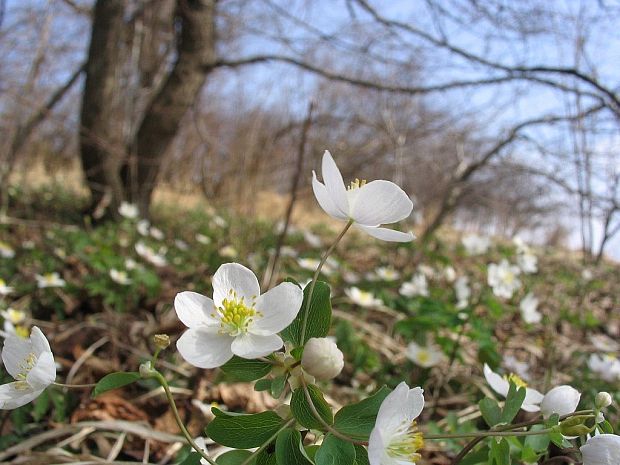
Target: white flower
{"x": 288, "y": 251}
{"x": 427, "y": 271}
{"x": 606, "y": 366}
{"x": 476, "y": 245}
{"x": 504, "y": 278}
{"x": 120, "y": 277}
{"x": 239, "y": 320}
{"x": 128, "y": 210}
{"x": 426, "y": 357}
{"x": 587, "y": 274}
{"x": 156, "y": 233}
{"x": 181, "y": 244}
{"x": 501, "y": 385}
{"x": 4, "y": 289}
{"x": 50, "y": 280}
{"x": 561, "y": 400}
{"x": 522, "y": 369}
{"x": 529, "y": 309}
{"x": 322, "y": 358}
{"x": 362, "y": 298}
{"x": 203, "y": 239}
{"x": 228, "y": 251}
{"x": 143, "y": 227}
{"x": 312, "y": 239}
{"x": 310, "y": 264}
{"x": 603, "y": 400}
{"x": 13, "y": 316}
{"x": 416, "y": 286}
{"x": 462, "y": 291}
{"x": 31, "y": 363}
{"x": 386, "y": 273}
{"x": 604, "y": 343}
{"x": 146, "y": 252}
{"x": 367, "y": 205}
{"x": 350, "y": 277}
{"x": 395, "y": 439}
{"x": 28, "y": 245}
{"x": 528, "y": 263}
{"x": 449, "y": 273}
{"x": 603, "y": 449}
{"x": 219, "y": 221}
{"x": 6, "y": 251}
{"x": 131, "y": 264}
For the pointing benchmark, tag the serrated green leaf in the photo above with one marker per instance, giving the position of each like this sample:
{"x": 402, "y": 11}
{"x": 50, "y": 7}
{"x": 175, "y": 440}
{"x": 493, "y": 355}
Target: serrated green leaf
{"x": 241, "y": 369}
{"x": 234, "y": 457}
{"x": 319, "y": 316}
{"x": 243, "y": 431}
{"x": 289, "y": 449}
{"x": 514, "y": 401}
{"x": 357, "y": 420}
{"x": 335, "y": 451}
{"x": 115, "y": 381}
{"x": 302, "y": 412}
{"x": 490, "y": 411}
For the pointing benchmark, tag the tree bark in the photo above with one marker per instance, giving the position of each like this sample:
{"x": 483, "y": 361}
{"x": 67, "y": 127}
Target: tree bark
{"x": 101, "y": 141}
{"x": 196, "y": 56}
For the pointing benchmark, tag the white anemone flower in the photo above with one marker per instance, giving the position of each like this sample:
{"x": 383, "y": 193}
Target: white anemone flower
{"x": 462, "y": 291}
{"x": 501, "y": 385}
{"x": 529, "y": 309}
{"x": 367, "y": 205}
{"x": 6, "y": 251}
{"x": 4, "y": 289}
{"x": 562, "y": 400}
{"x": 312, "y": 239}
{"x": 425, "y": 357}
{"x": 204, "y": 240}
{"x": 239, "y": 320}
{"x": 386, "y": 273}
{"x": 449, "y": 273}
{"x": 50, "y": 280}
{"x": 607, "y": 366}
{"x": 587, "y": 274}
{"x": 604, "y": 343}
{"x": 146, "y": 252}
{"x": 504, "y": 278}
{"x": 31, "y": 362}
{"x": 143, "y": 227}
{"x": 603, "y": 449}
{"x": 228, "y": 251}
{"x": 395, "y": 439}
{"x": 362, "y": 298}
{"x": 475, "y": 244}
{"x": 521, "y": 369}
{"x": 418, "y": 285}
{"x": 119, "y": 277}
{"x": 528, "y": 262}
{"x": 128, "y": 210}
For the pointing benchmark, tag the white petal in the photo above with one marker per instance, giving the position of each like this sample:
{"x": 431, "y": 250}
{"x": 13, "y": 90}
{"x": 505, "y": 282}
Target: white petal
{"x": 530, "y": 407}
{"x": 11, "y": 398}
{"x": 561, "y": 400}
{"x": 386, "y": 234}
{"x": 205, "y": 348}
{"x": 603, "y": 449}
{"x": 402, "y": 404}
{"x": 324, "y": 199}
{"x": 376, "y": 447}
{"x": 381, "y": 202}
{"x": 497, "y": 383}
{"x": 532, "y": 396}
{"x": 16, "y": 350}
{"x": 43, "y": 373}
{"x": 253, "y": 346}
{"x": 194, "y": 309}
{"x": 279, "y": 307}
{"x": 236, "y": 277}
{"x": 335, "y": 184}
{"x": 40, "y": 343}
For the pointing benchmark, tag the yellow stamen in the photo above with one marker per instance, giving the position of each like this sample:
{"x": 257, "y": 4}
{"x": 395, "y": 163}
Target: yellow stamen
{"x": 423, "y": 356}
{"x": 22, "y": 332}
{"x": 235, "y": 315}
{"x": 516, "y": 380}
{"x": 407, "y": 443}
{"x": 357, "y": 184}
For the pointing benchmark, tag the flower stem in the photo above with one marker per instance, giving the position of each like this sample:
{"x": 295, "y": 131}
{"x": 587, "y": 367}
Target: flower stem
{"x": 485, "y": 434}
{"x": 289, "y": 423}
{"x": 188, "y": 437}
{"x": 76, "y": 386}
{"x": 327, "y": 253}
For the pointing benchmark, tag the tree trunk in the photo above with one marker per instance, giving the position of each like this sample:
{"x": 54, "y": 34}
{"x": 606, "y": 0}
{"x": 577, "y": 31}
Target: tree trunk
{"x": 195, "y": 58}
{"x": 101, "y": 140}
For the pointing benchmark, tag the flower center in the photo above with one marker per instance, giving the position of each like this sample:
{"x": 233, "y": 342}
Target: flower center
{"x": 406, "y": 443}
{"x": 516, "y": 380}
{"x": 25, "y": 366}
{"x": 357, "y": 184}
{"x": 14, "y": 316}
{"x": 423, "y": 356}
{"x": 22, "y": 332}
{"x": 235, "y": 315}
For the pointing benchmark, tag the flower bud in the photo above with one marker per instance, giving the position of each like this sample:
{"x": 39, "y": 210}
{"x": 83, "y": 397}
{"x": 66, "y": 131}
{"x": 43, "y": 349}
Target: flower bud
{"x": 161, "y": 341}
{"x": 146, "y": 369}
{"x": 561, "y": 400}
{"x": 322, "y": 358}
{"x": 602, "y": 400}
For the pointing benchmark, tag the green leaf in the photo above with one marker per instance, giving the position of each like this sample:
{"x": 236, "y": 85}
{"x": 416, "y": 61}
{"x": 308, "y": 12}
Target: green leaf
{"x": 606, "y": 427}
{"x": 266, "y": 457}
{"x": 289, "y": 449}
{"x": 262, "y": 385}
{"x": 234, "y": 457}
{"x": 514, "y": 401}
{"x": 319, "y": 315}
{"x": 243, "y": 431}
{"x": 538, "y": 442}
{"x": 499, "y": 454}
{"x": 490, "y": 411}
{"x": 302, "y": 412}
{"x": 476, "y": 457}
{"x": 241, "y": 369}
{"x": 358, "y": 420}
{"x": 335, "y": 451}
{"x": 115, "y": 381}
{"x": 193, "y": 458}
{"x": 361, "y": 455}
{"x": 277, "y": 386}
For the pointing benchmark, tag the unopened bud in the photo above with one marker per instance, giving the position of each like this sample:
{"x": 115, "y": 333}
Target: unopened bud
{"x": 161, "y": 341}
{"x": 322, "y": 358}
{"x": 602, "y": 400}
{"x": 146, "y": 369}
